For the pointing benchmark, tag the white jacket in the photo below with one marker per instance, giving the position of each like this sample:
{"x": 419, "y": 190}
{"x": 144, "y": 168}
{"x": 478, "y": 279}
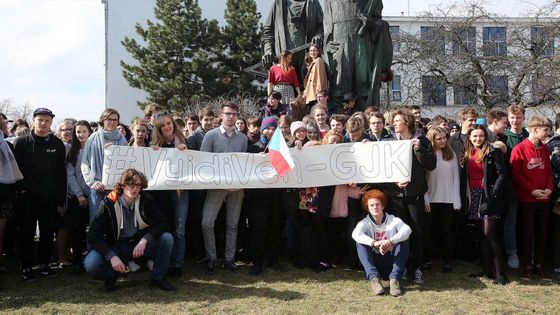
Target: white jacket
{"x": 392, "y": 229}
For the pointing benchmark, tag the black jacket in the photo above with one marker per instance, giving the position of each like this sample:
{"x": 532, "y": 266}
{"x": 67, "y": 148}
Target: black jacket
{"x": 104, "y": 230}
{"x": 42, "y": 161}
{"x": 423, "y": 160}
{"x": 494, "y": 179}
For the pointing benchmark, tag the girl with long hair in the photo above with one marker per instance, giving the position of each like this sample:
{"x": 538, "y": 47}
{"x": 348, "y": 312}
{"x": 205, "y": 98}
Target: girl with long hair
{"x": 484, "y": 173}
{"x": 283, "y": 77}
{"x": 443, "y": 195}
{"x": 166, "y": 134}
{"x": 75, "y": 219}
{"x": 316, "y": 78}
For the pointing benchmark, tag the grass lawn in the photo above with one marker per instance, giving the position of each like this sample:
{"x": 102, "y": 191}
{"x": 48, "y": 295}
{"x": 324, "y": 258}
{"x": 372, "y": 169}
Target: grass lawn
{"x": 294, "y": 291}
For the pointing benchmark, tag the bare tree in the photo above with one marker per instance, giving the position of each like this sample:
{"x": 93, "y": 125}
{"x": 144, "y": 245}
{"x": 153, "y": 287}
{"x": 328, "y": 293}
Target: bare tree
{"x": 484, "y": 60}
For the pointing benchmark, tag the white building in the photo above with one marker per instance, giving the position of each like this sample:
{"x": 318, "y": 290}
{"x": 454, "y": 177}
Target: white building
{"x": 485, "y": 37}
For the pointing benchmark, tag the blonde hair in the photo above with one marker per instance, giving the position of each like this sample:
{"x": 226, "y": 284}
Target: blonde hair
{"x": 157, "y": 136}
{"x": 447, "y": 151}
{"x": 334, "y": 133}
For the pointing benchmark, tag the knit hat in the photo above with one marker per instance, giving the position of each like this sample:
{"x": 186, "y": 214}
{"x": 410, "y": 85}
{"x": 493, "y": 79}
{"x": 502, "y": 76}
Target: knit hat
{"x": 295, "y": 126}
{"x": 269, "y": 121}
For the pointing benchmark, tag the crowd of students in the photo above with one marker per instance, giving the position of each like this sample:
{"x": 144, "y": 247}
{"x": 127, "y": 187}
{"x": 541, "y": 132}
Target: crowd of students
{"x": 472, "y": 180}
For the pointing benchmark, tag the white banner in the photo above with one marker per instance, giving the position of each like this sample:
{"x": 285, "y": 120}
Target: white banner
{"x": 323, "y": 165}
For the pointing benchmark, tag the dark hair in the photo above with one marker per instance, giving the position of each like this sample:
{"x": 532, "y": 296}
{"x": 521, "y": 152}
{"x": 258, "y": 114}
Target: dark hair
{"x": 276, "y": 95}
{"x": 206, "y": 111}
{"x": 18, "y": 123}
{"x": 254, "y": 121}
{"x": 127, "y": 132}
{"x": 128, "y": 177}
{"x": 407, "y": 117}
{"x": 377, "y": 115}
{"x": 557, "y": 122}
{"x": 415, "y": 107}
{"x": 75, "y": 147}
{"x": 192, "y": 117}
{"x": 495, "y": 114}
{"x": 231, "y": 105}
{"x": 373, "y": 194}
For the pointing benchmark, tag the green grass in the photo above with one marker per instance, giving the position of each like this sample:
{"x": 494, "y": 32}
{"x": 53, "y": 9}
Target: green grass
{"x": 292, "y": 292}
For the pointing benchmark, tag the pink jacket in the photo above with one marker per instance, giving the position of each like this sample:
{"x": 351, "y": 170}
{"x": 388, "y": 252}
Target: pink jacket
{"x": 339, "y": 207}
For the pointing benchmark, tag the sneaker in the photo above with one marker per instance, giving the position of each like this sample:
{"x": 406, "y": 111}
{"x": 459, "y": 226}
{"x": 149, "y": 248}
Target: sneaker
{"x": 110, "y": 284}
{"x": 395, "y": 287}
{"x": 418, "y": 276}
{"x": 150, "y": 265}
{"x": 28, "y": 275}
{"x": 65, "y": 264}
{"x": 557, "y": 270}
{"x": 513, "y": 262}
{"x": 46, "y": 271}
{"x": 376, "y": 286}
{"x": 230, "y": 265}
{"x": 162, "y": 284}
{"x": 133, "y": 266}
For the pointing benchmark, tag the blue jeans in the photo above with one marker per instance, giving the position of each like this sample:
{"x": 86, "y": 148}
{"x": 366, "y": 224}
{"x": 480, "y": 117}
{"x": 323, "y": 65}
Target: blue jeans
{"x": 94, "y": 200}
{"x": 160, "y": 251}
{"x": 181, "y": 210}
{"x": 380, "y": 266}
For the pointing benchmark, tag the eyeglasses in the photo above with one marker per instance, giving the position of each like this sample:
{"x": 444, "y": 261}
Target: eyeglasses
{"x": 230, "y": 114}
{"x": 135, "y": 185}
{"x": 66, "y": 130}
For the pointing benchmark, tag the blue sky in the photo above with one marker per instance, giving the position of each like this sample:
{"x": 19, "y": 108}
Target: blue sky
{"x": 53, "y": 50}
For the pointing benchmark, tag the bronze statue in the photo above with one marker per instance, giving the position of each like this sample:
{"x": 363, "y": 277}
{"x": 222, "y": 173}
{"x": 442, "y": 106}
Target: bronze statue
{"x": 358, "y": 48}
{"x": 291, "y": 24}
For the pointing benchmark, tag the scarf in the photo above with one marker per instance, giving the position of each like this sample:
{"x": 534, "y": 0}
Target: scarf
{"x": 264, "y": 140}
{"x": 10, "y": 172}
{"x": 92, "y": 159}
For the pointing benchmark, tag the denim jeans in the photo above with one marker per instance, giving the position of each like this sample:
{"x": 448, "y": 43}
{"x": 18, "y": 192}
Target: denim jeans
{"x": 180, "y": 200}
{"x": 94, "y": 200}
{"x": 160, "y": 251}
{"x": 382, "y": 266}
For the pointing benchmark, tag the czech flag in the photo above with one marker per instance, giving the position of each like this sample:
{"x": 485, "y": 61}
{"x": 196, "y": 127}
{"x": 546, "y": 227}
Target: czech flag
{"x": 279, "y": 154}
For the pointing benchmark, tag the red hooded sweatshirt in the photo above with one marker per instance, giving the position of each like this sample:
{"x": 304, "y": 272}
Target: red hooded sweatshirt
{"x": 530, "y": 169}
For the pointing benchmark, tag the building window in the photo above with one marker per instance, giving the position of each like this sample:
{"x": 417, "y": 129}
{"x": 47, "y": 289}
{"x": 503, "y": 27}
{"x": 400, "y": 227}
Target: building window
{"x": 395, "y": 88}
{"x": 395, "y": 32}
{"x": 433, "y": 91}
{"x": 494, "y": 41}
{"x": 434, "y": 38}
{"x": 465, "y": 41}
{"x": 464, "y": 95}
{"x": 498, "y": 87}
{"x": 542, "y": 41}
{"x": 545, "y": 89}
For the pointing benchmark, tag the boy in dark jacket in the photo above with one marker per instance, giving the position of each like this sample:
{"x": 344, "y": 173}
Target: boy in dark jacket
{"x": 41, "y": 157}
{"x": 407, "y": 198}
{"x": 128, "y": 226}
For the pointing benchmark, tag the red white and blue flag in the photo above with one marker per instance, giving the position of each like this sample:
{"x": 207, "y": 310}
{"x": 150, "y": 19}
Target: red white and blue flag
{"x": 279, "y": 154}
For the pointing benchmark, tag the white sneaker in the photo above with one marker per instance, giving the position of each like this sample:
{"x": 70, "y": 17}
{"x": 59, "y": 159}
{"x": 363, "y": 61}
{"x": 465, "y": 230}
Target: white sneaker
{"x": 150, "y": 265}
{"x": 418, "y": 276}
{"x": 513, "y": 262}
{"x": 132, "y": 266}
{"x": 557, "y": 270}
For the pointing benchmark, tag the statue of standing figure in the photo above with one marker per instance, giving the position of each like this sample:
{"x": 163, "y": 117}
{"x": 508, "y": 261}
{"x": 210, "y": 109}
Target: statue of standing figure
{"x": 291, "y": 24}
{"x": 357, "y": 43}
{"x": 359, "y": 49}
